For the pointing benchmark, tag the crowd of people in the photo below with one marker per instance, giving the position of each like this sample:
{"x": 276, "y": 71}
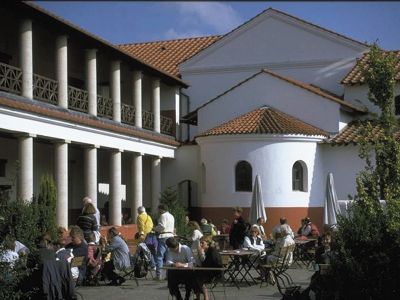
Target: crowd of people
{"x": 98, "y": 257}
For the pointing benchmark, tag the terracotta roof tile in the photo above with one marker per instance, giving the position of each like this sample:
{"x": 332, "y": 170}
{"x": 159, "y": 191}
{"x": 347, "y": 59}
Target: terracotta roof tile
{"x": 55, "y": 112}
{"x": 352, "y": 133}
{"x": 355, "y": 75}
{"x": 167, "y": 55}
{"x": 265, "y": 120}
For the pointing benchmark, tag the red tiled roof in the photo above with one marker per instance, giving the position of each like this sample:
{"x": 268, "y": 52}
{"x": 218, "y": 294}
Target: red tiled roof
{"x": 83, "y": 119}
{"x": 306, "y": 86}
{"x": 355, "y": 130}
{"x": 355, "y": 76}
{"x": 265, "y": 120}
{"x": 167, "y": 55}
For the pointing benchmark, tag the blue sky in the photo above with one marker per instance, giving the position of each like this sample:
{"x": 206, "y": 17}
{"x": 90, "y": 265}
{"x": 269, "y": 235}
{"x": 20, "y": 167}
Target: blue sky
{"x": 126, "y": 22}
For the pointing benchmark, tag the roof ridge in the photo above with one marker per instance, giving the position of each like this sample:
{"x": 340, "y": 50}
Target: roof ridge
{"x": 173, "y": 40}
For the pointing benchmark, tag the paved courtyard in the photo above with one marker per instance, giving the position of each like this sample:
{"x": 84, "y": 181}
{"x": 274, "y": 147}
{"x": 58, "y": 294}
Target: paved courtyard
{"x": 149, "y": 289}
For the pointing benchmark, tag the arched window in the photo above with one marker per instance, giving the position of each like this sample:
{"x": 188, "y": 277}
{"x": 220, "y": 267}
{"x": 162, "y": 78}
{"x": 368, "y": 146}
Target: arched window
{"x": 203, "y": 178}
{"x": 397, "y": 105}
{"x": 243, "y": 177}
{"x": 299, "y": 176}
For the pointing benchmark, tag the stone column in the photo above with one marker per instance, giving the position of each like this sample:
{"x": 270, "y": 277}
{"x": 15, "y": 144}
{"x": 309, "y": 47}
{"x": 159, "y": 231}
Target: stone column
{"x": 156, "y": 103}
{"x": 155, "y": 182}
{"x": 115, "y": 188}
{"x": 62, "y": 70}
{"x": 61, "y": 176}
{"x": 115, "y": 82}
{"x": 137, "y": 183}
{"x": 90, "y": 172}
{"x": 26, "y": 58}
{"x": 91, "y": 80}
{"x": 25, "y": 156}
{"x": 137, "y": 97}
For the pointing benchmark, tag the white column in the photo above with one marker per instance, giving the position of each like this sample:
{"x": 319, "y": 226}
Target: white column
{"x": 91, "y": 80}
{"x": 90, "y": 172}
{"x": 156, "y": 104}
{"x": 115, "y": 188}
{"x": 137, "y": 97}
{"x": 25, "y": 156}
{"x": 61, "y": 176}
{"x": 137, "y": 183}
{"x": 115, "y": 81}
{"x": 177, "y": 113}
{"x": 26, "y": 57}
{"x": 155, "y": 183}
{"x": 62, "y": 70}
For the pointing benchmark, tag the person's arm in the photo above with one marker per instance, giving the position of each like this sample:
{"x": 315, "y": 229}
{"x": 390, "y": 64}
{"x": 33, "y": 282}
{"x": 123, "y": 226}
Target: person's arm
{"x": 306, "y": 231}
{"x": 169, "y": 260}
{"x": 161, "y": 224}
{"x": 140, "y": 223}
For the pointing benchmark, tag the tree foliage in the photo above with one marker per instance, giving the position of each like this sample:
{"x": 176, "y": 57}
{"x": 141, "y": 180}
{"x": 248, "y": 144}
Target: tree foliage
{"x": 170, "y": 197}
{"x": 367, "y": 260}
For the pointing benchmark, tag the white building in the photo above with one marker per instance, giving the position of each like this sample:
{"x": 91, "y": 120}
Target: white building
{"x": 276, "y": 97}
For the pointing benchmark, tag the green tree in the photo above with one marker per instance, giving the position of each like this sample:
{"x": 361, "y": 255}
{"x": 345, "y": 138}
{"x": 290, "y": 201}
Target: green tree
{"x": 170, "y": 198}
{"x": 367, "y": 260}
{"x": 46, "y": 205}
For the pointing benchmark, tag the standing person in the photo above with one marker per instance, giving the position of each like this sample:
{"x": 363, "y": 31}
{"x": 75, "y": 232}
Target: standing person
{"x": 120, "y": 256}
{"x": 144, "y": 221}
{"x": 238, "y": 229}
{"x": 87, "y": 220}
{"x": 85, "y": 200}
{"x": 164, "y": 229}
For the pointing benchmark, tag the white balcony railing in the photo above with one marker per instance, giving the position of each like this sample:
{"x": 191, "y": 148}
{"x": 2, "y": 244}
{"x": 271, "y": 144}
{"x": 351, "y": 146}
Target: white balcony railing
{"x": 104, "y": 107}
{"x": 45, "y": 89}
{"x": 10, "y": 79}
{"x": 78, "y": 99}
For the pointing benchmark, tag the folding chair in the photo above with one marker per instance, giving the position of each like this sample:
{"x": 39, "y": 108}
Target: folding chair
{"x": 214, "y": 283}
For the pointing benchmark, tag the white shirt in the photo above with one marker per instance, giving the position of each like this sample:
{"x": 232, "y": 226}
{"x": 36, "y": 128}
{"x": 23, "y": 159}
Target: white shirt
{"x": 277, "y": 229}
{"x": 247, "y": 244}
{"x": 165, "y": 226}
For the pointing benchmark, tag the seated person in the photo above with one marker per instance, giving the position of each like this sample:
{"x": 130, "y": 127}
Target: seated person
{"x": 259, "y": 224}
{"x": 94, "y": 256}
{"x": 79, "y": 249}
{"x": 179, "y": 256}
{"x": 205, "y": 227}
{"x": 284, "y": 240}
{"x": 276, "y": 229}
{"x": 254, "y": 241}
{"x": 194, "y": 237}
{"x": 225, "y": 227}
{"x": 323, "y": 253}
{"x": 308, "y": 229}
{"x": 210, "y": 258}
{"x": 120, "y": 256}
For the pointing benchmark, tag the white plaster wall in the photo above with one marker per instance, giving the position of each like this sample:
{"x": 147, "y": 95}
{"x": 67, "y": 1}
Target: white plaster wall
{"x": 272, "y": 159}
{"x": 183, "y": 167}
{"x": 344, "y": 163}
{"x": 265, "y": 89}
{"x": 271, "y": 41}
{"x": 358, "y": 94}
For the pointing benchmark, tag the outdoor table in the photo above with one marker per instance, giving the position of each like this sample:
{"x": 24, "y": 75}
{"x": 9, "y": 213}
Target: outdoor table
{"x": 240, "y": 265}
{"x": 300, "y": 252}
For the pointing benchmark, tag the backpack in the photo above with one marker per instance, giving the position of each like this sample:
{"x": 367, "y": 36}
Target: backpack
{"x": 151, "y": 242}
{"x": 142, "y": 262}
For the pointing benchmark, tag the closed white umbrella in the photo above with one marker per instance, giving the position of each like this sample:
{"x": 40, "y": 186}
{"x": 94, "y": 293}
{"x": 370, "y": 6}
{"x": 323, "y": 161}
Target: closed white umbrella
{"x": 331, "y": 207}
{"x": 257, "y": 208}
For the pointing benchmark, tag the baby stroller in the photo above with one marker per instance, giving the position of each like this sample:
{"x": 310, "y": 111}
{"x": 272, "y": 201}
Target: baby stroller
{"x": 143, "y": 261}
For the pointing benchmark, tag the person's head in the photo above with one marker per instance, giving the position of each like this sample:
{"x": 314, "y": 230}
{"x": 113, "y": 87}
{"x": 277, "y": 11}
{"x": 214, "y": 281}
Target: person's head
{"x": 206, "y": 242}
{"x": 87, "y": 199}
{"x": 237, "y": 212}
{"x": 282, "y": 220}
{"x": 193, "y": 225}
{"x": 139, "y": 236}
{"x": 307, "y": 220}
{"x": 260, "y": 221}
{"x": 203, "y": 221}
{"x": 326, "y": 240}
{"x": 89, "y": 209}
{"x": 141, "y": 209}
{"x": 91, "y": 237}
{"x": 162, "y": 208}
{"x": 43, "y": 241}
{"x": 112, "y": 232}
{"x": 254, "y": 231}
{"x": 76, "y": 235}
{"x": 172, "y": 244}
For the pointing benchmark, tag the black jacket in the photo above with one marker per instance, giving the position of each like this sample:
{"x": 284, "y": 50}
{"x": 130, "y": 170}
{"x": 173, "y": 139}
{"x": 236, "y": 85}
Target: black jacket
{"x": 237, "y": 234}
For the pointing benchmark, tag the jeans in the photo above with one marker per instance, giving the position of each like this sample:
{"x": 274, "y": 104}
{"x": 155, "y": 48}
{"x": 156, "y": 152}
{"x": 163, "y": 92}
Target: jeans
{"x": 161, "y": 251}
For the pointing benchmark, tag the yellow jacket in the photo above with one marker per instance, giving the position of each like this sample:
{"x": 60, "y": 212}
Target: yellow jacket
{"x": 144, "y": 223}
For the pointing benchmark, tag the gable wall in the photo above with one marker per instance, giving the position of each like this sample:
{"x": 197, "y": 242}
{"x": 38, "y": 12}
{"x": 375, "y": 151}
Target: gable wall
{"x": 267, "y": 90}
